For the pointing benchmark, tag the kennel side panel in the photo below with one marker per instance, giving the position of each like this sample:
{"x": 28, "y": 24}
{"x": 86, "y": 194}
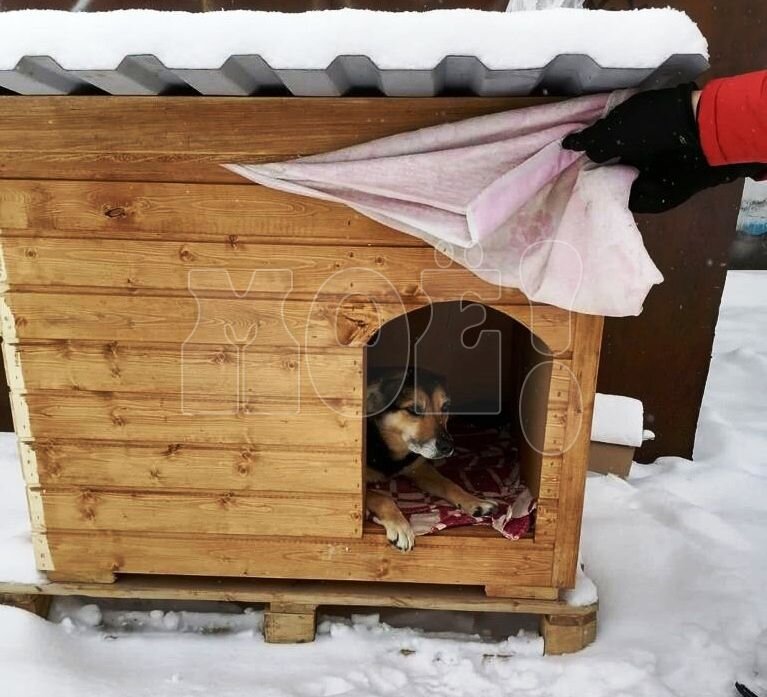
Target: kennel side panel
{"x": 551, "y": 473}
{"x": 543, "y": 411}
{"x": 299, "y": 513}
{"x": 231, "y": 467}
{"x": 191, "y": 128}
{"x": 192, "y": 419}
{"x": 347, "y": 321}
{"x": 221, "y": 371}
{"x": 544, "y": 387}
{"x": 109, "y": 166}
{"x": 548, "y": 461}
{"x": 262, "y": 269}
{"x": 446, "y": 559}
{"x": 81, "y": 142}
{"x": 234, "y": 214}
{"x": 585, "y": 364}
{"x": 186, "y": 319}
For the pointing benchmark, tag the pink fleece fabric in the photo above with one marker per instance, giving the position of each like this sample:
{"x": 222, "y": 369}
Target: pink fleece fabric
{"x": 499, "y": 195}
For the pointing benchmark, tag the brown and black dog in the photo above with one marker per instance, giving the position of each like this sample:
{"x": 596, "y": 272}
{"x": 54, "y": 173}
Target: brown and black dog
{"x": 407, "y": 414}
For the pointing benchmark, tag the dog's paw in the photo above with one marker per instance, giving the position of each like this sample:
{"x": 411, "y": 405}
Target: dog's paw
{"x": 400, "y": 535}
{"x": 480, "y": 507}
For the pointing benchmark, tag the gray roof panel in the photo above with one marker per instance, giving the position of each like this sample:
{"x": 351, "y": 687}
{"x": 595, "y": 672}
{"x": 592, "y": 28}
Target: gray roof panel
{"x": 566, "y": 75}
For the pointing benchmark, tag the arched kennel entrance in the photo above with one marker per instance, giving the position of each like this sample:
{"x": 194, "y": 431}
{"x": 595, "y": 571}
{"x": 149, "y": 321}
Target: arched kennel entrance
{"x": 510, "y": 392}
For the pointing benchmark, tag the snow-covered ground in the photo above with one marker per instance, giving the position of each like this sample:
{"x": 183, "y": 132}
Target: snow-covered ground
{"x": 678, "y": 552}
{"x": 17, "y": 561}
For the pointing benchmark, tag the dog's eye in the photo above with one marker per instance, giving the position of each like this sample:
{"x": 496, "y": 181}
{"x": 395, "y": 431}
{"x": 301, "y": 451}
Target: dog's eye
{"x": 412, "y": 411}
{"x": 446, "y": 407}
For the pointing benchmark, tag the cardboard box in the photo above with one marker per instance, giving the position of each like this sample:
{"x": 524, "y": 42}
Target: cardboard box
{"x": 607, "y": 458}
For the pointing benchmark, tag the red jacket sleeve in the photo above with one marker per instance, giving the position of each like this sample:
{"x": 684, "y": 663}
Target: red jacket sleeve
{"x": 732, "y": 119}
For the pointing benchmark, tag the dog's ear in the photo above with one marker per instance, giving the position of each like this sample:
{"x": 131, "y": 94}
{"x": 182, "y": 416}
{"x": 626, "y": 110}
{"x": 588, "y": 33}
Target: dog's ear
{"x": 429, "y": 380}
{"x": 382, "y": 392}
{"x": 375, "y": 402}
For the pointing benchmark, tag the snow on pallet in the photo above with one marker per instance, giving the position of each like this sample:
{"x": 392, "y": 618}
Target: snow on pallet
{"x": 331, "y": 53}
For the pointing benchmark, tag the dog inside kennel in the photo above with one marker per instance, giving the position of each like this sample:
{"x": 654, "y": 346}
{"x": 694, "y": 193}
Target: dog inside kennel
{"x": 484, "y": 380}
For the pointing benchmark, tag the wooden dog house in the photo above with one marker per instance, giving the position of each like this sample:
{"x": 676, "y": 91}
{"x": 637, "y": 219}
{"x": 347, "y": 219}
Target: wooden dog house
{"x": 186, "y": 351}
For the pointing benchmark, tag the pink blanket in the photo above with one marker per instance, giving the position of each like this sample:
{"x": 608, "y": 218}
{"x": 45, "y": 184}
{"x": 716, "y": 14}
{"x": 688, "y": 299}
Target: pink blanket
{"x": 499, "y": 195}
{"x": 485, "y": 463}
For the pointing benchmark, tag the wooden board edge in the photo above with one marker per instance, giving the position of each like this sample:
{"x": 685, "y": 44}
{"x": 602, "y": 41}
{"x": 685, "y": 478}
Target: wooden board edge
{"x": 586, "y": 351}
{"x": 42, "y": 552}
{"x": 359, "y": 593}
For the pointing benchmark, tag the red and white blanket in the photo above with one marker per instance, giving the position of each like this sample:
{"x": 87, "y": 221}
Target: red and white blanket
{"x": 485, "y": 463}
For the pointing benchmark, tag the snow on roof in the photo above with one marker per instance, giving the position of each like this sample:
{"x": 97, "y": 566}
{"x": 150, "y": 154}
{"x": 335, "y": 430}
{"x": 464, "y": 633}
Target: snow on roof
{"x": 252, "y": 50}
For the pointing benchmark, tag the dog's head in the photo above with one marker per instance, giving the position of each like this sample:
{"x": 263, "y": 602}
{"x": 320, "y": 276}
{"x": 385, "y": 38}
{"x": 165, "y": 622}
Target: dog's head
{"x": 410, "y": 408}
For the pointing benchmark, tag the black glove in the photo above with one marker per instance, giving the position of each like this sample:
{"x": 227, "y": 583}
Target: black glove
{"x": 644, "y": 126}
{"x": 672, "y": 178}
{"x": 657, "y": 133}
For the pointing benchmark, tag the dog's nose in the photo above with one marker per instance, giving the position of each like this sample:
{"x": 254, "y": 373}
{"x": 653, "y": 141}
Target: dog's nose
{"x": 444, "y": 445}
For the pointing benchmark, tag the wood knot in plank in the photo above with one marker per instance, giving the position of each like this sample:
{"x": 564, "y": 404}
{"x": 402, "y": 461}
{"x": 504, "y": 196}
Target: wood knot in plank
{"x": 227, "y": 500}
{"x": 222, "y": 357}
{"x": 248, "y": 454}
{"x": 233, "y": 241}
{"x": 30, "y": 252}
{"x": 111, "y": 355}
{"x": 117, "y": 419}
{"x": 384, "y": 569}
{"x": 87, "y": 502}
{"x": 355, "y": 325}
{"x": 115, "y": 212}
{"x": 51, "y": 469}
{"x": 186, "y": 254}
{"x": 64, "y": 348}
{"x": 172, "y": 449}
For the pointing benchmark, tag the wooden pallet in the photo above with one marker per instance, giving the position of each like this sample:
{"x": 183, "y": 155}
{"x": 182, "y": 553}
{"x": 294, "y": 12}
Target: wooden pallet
{"x": 291, "y": 606}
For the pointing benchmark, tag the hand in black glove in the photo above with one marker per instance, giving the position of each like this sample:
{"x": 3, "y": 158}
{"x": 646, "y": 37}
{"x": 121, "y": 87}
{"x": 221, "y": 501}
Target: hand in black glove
{"x": 673, "y": 178}
{"x": 657, "y": 133}
{"x": 645, "y": 125}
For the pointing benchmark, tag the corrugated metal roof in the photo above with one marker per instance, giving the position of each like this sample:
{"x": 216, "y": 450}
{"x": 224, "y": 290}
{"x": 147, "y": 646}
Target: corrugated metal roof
{"x": 566, "y": 75}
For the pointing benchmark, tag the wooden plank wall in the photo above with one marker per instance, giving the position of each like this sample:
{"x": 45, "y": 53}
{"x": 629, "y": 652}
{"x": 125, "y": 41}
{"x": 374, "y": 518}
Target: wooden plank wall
{"x": 110, "y": 258}
{"x": 60, "y": 206}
